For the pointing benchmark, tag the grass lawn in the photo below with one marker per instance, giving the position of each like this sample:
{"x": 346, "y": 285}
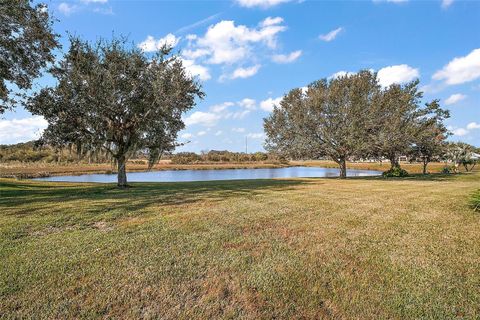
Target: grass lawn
{"x": 300, "y": 248}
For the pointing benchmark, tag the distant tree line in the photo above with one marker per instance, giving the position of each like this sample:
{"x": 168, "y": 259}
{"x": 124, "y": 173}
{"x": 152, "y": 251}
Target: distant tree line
{"x": 219, "y": 156}
{"x": 33, "y": 151}
{"x": 353, "y": 117}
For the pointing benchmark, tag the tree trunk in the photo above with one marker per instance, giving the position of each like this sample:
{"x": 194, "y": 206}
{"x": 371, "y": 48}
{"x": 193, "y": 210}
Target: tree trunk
{"x": 394, "y": 162}
{"x": 121, "y": 174}
{"x": 425, "y": 163}
{"x": 343, "y": 168}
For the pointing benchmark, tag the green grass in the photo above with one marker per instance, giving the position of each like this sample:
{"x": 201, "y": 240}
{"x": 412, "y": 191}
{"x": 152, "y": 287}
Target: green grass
{"x": 300, "y": 248}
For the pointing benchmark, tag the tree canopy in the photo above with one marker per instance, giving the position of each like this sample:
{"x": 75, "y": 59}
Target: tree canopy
{"x": 352, "y": 116}
{"x": 331, "y": 119}
{"x": 112, "y": 96}
{"x": 26, "y": 46}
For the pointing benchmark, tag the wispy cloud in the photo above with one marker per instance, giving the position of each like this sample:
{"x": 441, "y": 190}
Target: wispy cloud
{"x": 331, "y": 35}
{"x": 454, "y": 98}
{"x": 198, "y": 23}
{"x": 287, "y": 58}
{"x": 264, "y": 4}
{"x": 446, "y": 3}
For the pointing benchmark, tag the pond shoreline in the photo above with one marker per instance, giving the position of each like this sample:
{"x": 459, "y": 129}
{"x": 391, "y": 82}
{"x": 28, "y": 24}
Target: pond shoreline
{"x": 214, "y": 175}
{"x": 38, "y": 170}
{"x": 42, "y": 170}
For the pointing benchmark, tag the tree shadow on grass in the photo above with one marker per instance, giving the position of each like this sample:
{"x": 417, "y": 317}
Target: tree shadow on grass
{"x": 34, "y": 196}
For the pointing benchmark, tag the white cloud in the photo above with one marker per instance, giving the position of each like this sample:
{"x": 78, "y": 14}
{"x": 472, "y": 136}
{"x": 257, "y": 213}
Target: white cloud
{"x": 460, "y": 132}
{"x": 195, "y": 54}
{"x": 67, "y": 9}
{"x": 238, "y": 114}
{"x": 446, "y": 3}
{"x": 269, "y": 21}
{"x": 260, "y": 3}
{"x": 21, "y": 130}
{"x": 245, "y": 72}
{"x": 219, "y": 132}
{"x": 224, "y": 110}
{"x": 248, "y": 104}
{"x": 268, "y": 104}
{"x": 206, "y": 119}
{"x": 221, "y": 107}
{"x": 150, "y": 44}
{"x": 331, "y": 35}
{"x": 454, "y": 98}
{"x": 186, "y": 136}
{"x": 201, "y": 133}
{"x": 239, "y": 130}
{"x": 341, "y": 74}
{"x": 287, "y": 58}
{"x": 196, "y": 70}
{"x": 473, "y": 125}
{"x": 226, "y": 43}
{"x": 259, "y": 135}
{"x": 460, "y": 69}
{"x": 397, "y": 74}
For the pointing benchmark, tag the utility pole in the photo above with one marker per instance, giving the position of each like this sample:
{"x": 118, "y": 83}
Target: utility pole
{"x": 246, "y": 145}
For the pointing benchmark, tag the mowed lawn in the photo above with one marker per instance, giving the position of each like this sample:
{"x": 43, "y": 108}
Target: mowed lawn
{"x": 364, "y": 248}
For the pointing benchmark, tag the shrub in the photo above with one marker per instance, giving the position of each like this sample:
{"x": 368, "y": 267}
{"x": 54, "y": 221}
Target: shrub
{"x": 395, "y": 172}
{"x": 448, "y": 170}
{"x": 185, "y": 158}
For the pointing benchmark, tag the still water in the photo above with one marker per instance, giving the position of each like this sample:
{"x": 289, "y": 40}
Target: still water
{"x": 209, "y": 175}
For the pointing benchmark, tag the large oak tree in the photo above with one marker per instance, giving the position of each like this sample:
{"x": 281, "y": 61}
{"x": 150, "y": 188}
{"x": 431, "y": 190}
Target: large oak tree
{"x": 331, "y": 119}
{"x": 26, "y": 46}
{"x": 112, "y": 96}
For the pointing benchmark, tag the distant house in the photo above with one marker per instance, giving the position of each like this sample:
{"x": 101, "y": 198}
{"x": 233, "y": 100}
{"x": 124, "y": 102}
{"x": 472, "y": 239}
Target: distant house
{"x": 475, "y": 156}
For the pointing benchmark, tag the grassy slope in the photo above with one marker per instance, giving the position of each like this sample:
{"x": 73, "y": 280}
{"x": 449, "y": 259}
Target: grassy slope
{"x": 300, "y": 248}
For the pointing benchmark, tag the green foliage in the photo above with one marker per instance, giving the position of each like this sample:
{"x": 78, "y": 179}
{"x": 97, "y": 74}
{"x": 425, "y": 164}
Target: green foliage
{"x": 217, "y": 156}
{"x": 33, "y": 152}
{"x": 395, "y": 172}
{"x": 185, "y": 158}
{"x": 112, "y": 96}
{"x": 475, "y": 201}
{"x": 331, "y": 119}
{"x": 26, "y": 45}
{"x": 448, "y": 169}
{"x": 354, "y": 117}
{"x": 461, "y": 154}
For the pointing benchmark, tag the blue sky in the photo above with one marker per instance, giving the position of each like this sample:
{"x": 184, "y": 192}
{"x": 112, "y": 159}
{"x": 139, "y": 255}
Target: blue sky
{"x": 248, "y": 53}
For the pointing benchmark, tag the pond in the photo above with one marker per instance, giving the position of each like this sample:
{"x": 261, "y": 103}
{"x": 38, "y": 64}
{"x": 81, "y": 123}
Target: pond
{"x": 209, "y": 175}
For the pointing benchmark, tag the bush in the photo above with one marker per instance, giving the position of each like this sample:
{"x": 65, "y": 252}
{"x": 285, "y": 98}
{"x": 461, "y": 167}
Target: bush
{"x": 185, "y": 158}
{"x": 395, "y": 172}
{"x": 448, "y": 170}
{"x": 475, "y": 202}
